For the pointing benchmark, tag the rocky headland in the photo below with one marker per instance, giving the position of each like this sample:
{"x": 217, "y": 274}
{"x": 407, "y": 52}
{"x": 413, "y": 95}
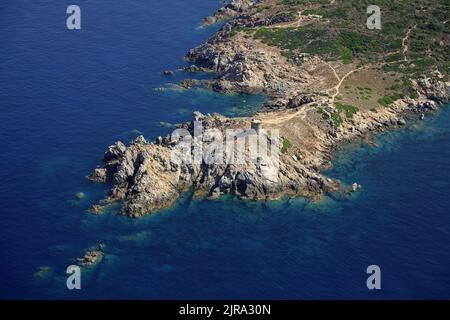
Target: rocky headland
{"x": 318, "y": 99}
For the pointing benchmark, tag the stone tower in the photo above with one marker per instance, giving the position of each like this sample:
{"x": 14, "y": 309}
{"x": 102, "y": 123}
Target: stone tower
{"x": 256, "y": 125}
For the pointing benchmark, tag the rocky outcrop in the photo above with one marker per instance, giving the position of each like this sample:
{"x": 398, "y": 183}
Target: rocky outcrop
{"x": 142, "y": 175}
{"x": 147, "y": 176}
{"x": 298, "y": 101}
{"x": 433, "y": 89}
{"x": 248, "y": 67}
{"x": 232, "y": 9}
{"x": 98, "y": 175}
{"x": 91, "y": 257}
{"x": 193, "y": 68}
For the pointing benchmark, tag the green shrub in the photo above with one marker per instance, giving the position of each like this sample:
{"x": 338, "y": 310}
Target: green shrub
{"x": 348, "y": 109}
{"x": 388, "y": 100}
{"x": 335, "y": 116}
{"x": 286, "y": 145}
{"x": 347, "y": 56}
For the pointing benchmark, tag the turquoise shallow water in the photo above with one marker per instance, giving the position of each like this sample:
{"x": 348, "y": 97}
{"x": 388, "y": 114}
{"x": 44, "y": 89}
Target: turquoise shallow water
{"x": 65, "y": 96}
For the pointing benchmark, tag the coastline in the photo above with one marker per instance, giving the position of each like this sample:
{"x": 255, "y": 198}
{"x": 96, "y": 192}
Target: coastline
{"x": 145, "y": 179}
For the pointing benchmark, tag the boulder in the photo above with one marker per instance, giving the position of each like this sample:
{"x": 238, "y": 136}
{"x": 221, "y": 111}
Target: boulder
{"x": 98, "y": 175}
{"x": 114, "y": 152}
{"x": 298, "y": 101}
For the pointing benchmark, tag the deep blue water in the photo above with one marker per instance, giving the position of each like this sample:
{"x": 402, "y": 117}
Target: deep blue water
{"x": 65, "y": 96}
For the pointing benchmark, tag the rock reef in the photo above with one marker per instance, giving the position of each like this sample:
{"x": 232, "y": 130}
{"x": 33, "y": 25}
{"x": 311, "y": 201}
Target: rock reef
{"x": 92, "y": 256}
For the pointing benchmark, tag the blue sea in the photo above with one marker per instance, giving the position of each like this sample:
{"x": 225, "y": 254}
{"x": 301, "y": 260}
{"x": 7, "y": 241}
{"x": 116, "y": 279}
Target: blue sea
{"x": 66, "y": 95}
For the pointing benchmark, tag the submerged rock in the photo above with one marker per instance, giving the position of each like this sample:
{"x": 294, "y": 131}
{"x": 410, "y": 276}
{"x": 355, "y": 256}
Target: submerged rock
{"x": 164, "y": 124}
{"x": 96, "y": 209}
{"x": 80, "y": 195}
{"x": 43, "y": 273}
{"x": 401, "y": 122}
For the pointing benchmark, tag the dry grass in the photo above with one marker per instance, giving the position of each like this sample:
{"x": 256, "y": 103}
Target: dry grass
{"x": 363, "y": 88}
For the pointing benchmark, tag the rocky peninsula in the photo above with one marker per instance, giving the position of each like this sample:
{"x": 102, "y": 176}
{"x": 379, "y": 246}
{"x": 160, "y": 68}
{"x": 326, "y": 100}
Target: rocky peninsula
{"x": 328, "y": 80}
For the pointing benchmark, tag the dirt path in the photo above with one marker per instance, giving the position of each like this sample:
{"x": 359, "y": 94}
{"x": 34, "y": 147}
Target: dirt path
{"x": 341, "y": 80}
{"x": 338, "y": 86}
{"x": 334, "y": 70}
{"x": 270, "y": 120}
{"x": 405, "y": 44}
{"x": 288, "y": 116}
{"x": 297, "y": 23}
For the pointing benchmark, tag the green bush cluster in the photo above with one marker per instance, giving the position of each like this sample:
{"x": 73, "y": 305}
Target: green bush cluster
{"x": 348, "y": 109}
